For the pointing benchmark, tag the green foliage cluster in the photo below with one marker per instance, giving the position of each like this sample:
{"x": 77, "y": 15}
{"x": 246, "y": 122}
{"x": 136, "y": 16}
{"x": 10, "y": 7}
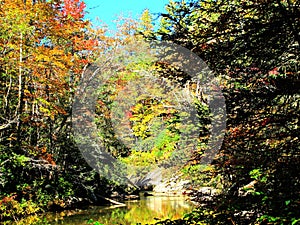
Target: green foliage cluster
{"x": 91, "y": 221}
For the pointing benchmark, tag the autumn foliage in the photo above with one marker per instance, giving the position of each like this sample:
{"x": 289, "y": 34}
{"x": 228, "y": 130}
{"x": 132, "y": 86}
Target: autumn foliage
{"x": 253, "y": 48}
{"x": 44, "y": 47}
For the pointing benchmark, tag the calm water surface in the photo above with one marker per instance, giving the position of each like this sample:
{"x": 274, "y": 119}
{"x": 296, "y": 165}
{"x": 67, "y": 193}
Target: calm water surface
{"x": 139, "y": 211}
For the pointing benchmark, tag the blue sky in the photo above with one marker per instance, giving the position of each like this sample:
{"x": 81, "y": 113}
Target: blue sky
{"x": 108, "y": 10}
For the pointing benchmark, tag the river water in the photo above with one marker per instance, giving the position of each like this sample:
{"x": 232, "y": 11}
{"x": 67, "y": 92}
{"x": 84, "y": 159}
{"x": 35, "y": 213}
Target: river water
{"x": 146, "y": 210}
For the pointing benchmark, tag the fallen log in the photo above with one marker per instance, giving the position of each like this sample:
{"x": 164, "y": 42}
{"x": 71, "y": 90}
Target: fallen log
{"x": 111, "y": 201}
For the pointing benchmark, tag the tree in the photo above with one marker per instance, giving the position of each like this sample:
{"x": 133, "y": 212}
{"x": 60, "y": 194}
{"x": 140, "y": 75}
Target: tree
{"x": 44, "y": 47}
{"x": 253, "y": 46}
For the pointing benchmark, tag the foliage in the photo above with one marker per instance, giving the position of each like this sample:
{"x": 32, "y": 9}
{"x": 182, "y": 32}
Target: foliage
{"x": 11, "y": 208}
{"x": 44, "y": 48}
{"x": 91, "y": 221}
{"x": 254, "y": 48}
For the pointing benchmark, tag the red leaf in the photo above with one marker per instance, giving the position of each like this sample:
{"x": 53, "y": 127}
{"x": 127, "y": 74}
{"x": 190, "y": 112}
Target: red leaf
{"x": 74, "y": 8}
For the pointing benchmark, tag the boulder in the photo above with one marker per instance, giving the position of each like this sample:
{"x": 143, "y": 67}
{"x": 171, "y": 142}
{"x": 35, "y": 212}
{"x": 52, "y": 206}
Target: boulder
{"x": 172, "y": 186}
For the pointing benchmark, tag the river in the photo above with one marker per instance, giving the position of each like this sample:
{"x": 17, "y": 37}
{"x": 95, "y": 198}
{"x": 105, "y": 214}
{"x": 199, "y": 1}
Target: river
{"x": 146, "y": 210}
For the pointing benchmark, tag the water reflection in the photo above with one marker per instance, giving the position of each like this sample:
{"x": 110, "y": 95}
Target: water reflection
{"x": 147, "y": 210}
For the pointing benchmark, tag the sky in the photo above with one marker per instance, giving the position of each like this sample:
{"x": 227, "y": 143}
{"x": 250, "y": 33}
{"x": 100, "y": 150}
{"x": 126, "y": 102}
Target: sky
{"x": 108, "y": 10}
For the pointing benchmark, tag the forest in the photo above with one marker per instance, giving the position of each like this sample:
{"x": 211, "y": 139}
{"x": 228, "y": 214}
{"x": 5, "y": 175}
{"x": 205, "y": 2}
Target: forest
{"x": 66, "y": 83}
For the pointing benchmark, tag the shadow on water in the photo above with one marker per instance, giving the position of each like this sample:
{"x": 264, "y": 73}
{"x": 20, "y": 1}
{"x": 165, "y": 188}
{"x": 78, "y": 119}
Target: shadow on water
{"x": 146, "y": 210}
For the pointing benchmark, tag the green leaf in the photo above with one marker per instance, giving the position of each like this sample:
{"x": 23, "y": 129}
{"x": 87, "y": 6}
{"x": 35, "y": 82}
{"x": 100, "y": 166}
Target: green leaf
{"x": 295, "y": 221}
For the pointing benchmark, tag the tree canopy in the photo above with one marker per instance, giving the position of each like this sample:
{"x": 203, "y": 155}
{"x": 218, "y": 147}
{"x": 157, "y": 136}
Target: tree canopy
{"x": 253, "y": 49}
